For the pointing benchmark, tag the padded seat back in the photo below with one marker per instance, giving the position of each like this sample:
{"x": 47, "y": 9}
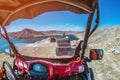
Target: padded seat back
{"x": 64, "y": 47}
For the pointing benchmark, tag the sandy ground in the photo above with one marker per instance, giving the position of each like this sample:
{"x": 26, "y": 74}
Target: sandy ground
{"x": 108, "y": 68}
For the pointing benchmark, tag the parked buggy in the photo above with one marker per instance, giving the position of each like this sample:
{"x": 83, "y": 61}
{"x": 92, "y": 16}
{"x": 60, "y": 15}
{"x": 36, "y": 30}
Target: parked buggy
{"x": 38, "y": 68}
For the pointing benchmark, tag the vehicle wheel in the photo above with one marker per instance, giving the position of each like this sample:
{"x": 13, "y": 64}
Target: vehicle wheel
{"x": 92, "y": 74}
{"x": 9, "y": 75}
{"x": 9, "y": 72}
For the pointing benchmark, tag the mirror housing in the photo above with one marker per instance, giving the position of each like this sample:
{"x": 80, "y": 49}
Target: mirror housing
{"x": 96, "y": 54}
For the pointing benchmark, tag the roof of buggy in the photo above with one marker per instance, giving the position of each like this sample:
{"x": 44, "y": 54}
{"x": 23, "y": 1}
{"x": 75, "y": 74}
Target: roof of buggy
{"x": 14, "y": 9}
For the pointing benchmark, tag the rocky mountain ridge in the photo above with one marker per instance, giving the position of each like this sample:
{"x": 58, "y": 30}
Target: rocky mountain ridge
{"x": 25, "y": 34}
{"x": 29, "y": 33}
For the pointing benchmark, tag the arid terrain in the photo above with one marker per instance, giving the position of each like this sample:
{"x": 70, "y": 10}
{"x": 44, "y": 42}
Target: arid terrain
{"x": 107, "y": 39}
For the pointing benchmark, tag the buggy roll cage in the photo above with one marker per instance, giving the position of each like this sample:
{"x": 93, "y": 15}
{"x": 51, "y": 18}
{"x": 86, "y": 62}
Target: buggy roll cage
{"x": 90, "y": 7}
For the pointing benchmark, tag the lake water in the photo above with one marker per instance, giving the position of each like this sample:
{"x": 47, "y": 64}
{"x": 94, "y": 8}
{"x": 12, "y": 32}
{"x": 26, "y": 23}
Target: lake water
{"x": 18, "y": 42}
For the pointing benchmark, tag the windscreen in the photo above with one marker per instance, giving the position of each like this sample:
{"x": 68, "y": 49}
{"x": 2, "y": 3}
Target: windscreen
{"x": 50, "y": 35}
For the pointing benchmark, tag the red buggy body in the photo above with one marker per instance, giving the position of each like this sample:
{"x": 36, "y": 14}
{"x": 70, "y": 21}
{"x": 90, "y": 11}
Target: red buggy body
{"x": 54, "y": 70}
{"x": 39, "y": 68}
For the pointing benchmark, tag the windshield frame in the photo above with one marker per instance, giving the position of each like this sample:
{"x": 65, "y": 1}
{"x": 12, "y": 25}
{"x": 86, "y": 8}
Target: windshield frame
{"x": 80, "y": 50}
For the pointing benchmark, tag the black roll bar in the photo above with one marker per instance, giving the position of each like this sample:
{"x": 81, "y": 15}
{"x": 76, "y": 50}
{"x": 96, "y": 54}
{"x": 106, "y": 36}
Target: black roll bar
{"x": 88, "y": 31}
{"x": 80, "y": 50}
{"x": 8, "y": 40}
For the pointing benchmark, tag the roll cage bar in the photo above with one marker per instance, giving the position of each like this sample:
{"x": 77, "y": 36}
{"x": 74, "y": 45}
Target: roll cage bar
{"x": 80, "y": 49}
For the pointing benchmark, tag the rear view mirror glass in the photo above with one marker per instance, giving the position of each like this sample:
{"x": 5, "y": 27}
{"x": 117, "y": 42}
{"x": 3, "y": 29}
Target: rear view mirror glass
{"x": 96, "y": 54}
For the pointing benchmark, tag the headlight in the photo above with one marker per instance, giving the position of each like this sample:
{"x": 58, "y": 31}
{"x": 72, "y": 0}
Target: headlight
{"x": 38, "y": 71}
{"x": 39, "y": 68}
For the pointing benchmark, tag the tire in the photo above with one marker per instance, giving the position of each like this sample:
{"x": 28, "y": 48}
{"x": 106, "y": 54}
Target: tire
{"x": 9, "y": 72}
{"x": 10, "y": 76}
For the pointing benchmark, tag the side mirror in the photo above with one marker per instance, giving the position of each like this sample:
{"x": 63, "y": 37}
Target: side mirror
{"x": 8, "y": 51}
{"x": 96, "y": 54}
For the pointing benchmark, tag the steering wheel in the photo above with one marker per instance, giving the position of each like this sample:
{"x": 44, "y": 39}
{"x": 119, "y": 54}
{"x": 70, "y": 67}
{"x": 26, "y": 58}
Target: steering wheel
{"x": 9, "y": 74}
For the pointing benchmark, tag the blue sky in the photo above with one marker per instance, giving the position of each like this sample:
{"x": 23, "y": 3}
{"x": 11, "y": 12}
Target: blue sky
{"x": 110, "y": 13}
{"x": 65, "y": 20}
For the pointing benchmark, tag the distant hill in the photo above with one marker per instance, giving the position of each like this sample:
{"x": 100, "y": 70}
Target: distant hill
{"x": 29, "y": 33}
{"x": 25, "y": 34}
{"x": 56, "y": 32}
{"x": 101, "y": 35}
{"x": 105, "y": 34}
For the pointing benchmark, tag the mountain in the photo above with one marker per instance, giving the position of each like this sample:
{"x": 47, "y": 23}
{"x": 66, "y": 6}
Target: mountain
{"x": 29, "y": 33}
{"x": 105, "y": 34}
{"x": 25, "y": 34}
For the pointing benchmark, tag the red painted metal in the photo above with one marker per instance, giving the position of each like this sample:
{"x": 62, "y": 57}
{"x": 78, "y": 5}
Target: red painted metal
{"x": 54, "y": 69}
{"x": 1, "y": 73}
